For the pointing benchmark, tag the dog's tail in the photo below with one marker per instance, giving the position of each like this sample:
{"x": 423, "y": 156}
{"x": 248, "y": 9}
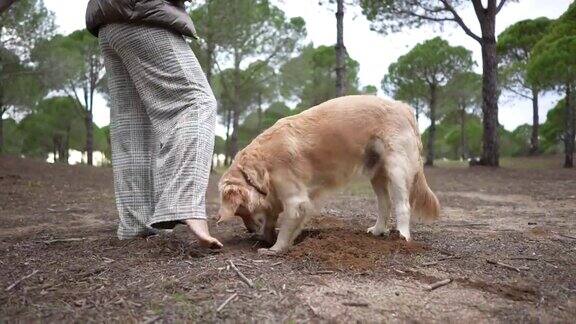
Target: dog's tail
{"x": 423, "y": 201}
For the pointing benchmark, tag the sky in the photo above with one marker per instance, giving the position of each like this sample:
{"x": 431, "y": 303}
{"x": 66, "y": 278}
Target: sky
{"x": 374, "y": 52}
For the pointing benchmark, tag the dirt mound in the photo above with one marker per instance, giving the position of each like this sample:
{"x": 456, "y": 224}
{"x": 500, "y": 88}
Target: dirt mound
{"x": 345, "y": 249}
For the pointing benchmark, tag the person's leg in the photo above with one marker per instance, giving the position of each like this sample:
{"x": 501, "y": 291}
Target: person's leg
{"x": 131, "y": 140}
{"x": 182, "y": 110}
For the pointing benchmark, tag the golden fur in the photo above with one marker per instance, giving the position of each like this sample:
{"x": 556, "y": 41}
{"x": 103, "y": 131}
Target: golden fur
{"x": 287, "y": 168}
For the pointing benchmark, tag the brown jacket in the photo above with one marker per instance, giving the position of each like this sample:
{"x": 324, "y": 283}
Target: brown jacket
{"x": 164, "y": 13}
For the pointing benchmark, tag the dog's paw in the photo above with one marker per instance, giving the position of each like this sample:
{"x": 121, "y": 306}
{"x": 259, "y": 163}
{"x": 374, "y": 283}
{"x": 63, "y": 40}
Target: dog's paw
{"x": 376, "y": 231}
{"x": 264, "y": 251}
{"x": 394, "y": 235}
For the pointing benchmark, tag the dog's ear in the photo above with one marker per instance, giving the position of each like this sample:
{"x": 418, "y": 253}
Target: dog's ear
{"x": 231, "y": 198}
{"x": 257, "y": 176}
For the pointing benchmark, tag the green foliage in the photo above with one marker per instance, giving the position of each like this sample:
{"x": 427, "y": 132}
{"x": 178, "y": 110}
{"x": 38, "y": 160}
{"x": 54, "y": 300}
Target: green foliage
{"x": 390, "y": 15}
{"x": 255, "y": 123}
{"x": 24, "y": 24}
{"x": 71, "y": 63}
{"x": 219, "y": 145}
{"x": 19, "y": 84}
{"x": 369, "y": 90}
{"x": 448, "y": 134}
{"x": 255, "y": 38}
{"x": 517, "y": 41}
{"x": 553, "y": 61}
{"x": 13, "y": 137}
{"x": 552, "y": 131}
{"x": 309, "y": 78}
{"x": 553, "y": 65}
{"x": 515, "y": 45}
{"x": 52, "y": 128}
{"x": 428, "y": 65}
{"x": 463, "y": 92}
{"x": 448, "y": 137}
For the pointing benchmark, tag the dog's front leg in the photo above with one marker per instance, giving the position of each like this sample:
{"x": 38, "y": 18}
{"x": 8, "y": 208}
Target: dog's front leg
{"x": 296, "y": 212}
{"x": 268, "y": 232}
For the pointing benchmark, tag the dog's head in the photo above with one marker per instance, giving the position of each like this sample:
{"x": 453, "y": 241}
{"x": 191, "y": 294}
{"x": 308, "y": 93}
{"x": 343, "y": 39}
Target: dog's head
{"x": 243, "y": 193}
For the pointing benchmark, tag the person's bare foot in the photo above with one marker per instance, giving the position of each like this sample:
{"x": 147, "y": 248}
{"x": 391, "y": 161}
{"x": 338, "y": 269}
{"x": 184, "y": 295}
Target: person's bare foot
{"x": 200, "y": 228}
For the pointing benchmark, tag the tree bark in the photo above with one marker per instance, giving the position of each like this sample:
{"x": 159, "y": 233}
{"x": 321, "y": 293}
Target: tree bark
{"x": 227, "y": 148}
{"x": 234, "y": 137}
{"x": 2, "y": 111}
{"x": 89, "y": 138}
{"x": 340, "y": 51}
{"x": 236, "y": 108}
{"x": 432, "y": 128}
{"x": 260, "y": 113}
{"x": 463, "y": 141}
{"x": 487, "y": 19}
{"x": 490, "y": 153}
{"x": 569, "y": 129}
{"x": 4, "y": 5}
{"x": 210, "y": 61}
{"x": 534, "y": 142}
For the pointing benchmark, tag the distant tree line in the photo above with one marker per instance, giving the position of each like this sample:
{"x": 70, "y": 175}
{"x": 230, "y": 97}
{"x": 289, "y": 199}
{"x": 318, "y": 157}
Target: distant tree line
{"x": 261, "y": 70}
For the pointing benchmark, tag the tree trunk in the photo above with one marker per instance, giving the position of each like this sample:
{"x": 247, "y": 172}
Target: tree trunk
{"x": 67, "y": 145}
{"x": 1, "y": 130}
{"x": 340, "y": 51}
{"x": 463, "y": 142}
{"x": 227, "y": 149}
{"x": 490, "y": 152}
{"x": 534, "y": 145}
{"x": 260, "y": 113}
{"x": 569, "y": 129}
{"x": 236, "y": 108}
{"x": 234, "y": 137}
{"x": 432, "y": 129}
{"x": 89, "y": 138}
{"x": 210, "y": 61}
{"x": 5, "y": 4}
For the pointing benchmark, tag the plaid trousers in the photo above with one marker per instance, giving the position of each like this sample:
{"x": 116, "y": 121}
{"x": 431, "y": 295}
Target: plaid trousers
{"x": 162, "y": 122}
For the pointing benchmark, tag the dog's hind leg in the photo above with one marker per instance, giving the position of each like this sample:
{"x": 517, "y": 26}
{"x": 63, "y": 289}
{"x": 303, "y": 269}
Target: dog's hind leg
{"x": 399, "y": 174}
{"x": 380, "y": 186}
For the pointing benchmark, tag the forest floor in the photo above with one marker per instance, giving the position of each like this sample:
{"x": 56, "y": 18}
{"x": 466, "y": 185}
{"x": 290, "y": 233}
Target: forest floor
{"x": 507, "y": 240}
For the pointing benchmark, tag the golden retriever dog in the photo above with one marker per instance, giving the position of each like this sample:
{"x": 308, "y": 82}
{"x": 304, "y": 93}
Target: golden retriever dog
{"x": 289, "y": 167}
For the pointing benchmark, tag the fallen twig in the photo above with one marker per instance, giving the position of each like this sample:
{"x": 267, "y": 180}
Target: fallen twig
{"x": 438, "y": 284}
{"x": 567, "y": 236}
{"x": 507, "y": 266}
{"x": 314, "y": 310}
{"x": 277, "y": 263}
{"x": 229, "y": 299}
{"x": 17, "y": 282}
{"x": 467, "y": 225}
{"x": 524, "y": 258}
{"x": 241, "y": 275}
{"x": 323, "y": 272}
{"x": 244, "y": 265}
{"x": 356, "y": 304}
{"x": 73, "y": 239}
{"x": 80, "y": 210}
{"x": 152, "y": 320}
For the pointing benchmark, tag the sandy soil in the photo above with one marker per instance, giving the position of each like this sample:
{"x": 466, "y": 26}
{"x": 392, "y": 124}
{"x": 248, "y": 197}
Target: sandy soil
{"x": 57, "y": 224}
